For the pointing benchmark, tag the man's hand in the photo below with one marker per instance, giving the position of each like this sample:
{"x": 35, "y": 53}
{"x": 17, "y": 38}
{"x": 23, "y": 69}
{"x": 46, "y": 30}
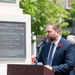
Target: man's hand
{"x": 49, "y": 67}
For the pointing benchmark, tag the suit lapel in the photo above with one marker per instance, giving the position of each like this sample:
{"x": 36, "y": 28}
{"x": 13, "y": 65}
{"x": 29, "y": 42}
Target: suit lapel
{"x": 58, "y": 49}
{"x": 56, "y": 52}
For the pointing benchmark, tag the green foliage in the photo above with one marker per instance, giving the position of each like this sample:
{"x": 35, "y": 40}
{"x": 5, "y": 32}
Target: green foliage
{"x": 65, "y": 32}
{"x": 72, "y": 10}
{"x": 43, "y": 12}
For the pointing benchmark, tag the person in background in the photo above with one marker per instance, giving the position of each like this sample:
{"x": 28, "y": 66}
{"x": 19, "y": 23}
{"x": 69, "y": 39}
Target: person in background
{"x": 71, "y": 38}
{"x": 58, "y": 54}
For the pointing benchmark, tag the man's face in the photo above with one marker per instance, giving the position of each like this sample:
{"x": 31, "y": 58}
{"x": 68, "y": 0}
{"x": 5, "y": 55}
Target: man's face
{"x": 51, "y": 34}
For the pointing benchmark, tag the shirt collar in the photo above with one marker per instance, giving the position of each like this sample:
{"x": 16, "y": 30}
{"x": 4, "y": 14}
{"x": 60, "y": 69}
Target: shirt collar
{"x": 56, "y": 43}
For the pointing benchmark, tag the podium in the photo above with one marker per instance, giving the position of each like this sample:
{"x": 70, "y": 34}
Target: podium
{"x": 21, "y": 69}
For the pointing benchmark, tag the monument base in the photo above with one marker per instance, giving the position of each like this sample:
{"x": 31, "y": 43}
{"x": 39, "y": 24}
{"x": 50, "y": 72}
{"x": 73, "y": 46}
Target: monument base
{"x": 10, "y": 12}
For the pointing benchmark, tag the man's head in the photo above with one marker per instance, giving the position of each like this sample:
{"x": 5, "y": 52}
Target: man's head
{"x": 52, "y": 32}
{"x": 71, "y": 38}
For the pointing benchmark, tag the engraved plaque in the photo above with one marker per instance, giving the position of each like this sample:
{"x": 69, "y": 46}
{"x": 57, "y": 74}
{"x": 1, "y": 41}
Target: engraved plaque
{"x": 12, "y": 1}
{"x": 12, "y": 40}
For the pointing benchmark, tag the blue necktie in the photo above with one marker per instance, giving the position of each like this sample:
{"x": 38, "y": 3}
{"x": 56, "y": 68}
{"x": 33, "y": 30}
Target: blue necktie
{"x": 49, "y": 59}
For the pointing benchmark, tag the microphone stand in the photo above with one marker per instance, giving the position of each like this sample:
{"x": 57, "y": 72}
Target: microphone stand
{"x": 39, "y": 46}
{"x": 35, "y": 61}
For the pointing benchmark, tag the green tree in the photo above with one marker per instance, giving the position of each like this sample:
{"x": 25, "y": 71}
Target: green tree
{"x": 72, "y": 15}
{"x": 72, "y": 10}
{"x": 43, "y": 12}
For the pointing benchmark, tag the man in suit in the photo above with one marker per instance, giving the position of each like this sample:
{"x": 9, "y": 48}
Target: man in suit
{"x": 62, "y": 60}
{"x": 71, "y": 38}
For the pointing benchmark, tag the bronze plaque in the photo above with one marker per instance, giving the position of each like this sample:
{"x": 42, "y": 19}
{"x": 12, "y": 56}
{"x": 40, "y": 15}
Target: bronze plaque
{"x": 12, "y": 1}
{"x": 12, "y": 40}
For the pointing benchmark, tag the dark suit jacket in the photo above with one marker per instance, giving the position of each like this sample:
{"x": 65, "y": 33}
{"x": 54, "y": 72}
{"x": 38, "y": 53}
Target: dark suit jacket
{"x": 64, "y": 57}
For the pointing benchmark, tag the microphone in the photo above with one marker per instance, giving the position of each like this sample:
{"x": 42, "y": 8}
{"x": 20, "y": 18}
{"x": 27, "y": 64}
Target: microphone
{"x": 38, "y": 47}
{"x": 36, "y": 61}
{"x": 41, "y": 43}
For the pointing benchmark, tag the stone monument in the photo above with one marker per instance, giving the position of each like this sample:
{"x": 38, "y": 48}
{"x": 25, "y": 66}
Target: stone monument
{"x": 15, "y": 35}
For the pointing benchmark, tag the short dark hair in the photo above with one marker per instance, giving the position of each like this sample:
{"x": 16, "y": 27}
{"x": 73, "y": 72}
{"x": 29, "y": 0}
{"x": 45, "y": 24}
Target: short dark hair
{"x": 55, "y": 26}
